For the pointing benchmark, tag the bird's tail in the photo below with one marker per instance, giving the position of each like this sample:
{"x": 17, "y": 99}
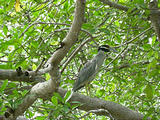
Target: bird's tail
{"x": 68, "y": 95}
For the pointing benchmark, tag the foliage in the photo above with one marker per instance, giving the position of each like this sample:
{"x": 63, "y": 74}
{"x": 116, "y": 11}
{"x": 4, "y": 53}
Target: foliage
{"x": 34, "y": 33}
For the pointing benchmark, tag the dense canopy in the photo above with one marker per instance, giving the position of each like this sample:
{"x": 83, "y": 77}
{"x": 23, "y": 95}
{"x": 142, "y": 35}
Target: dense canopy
{"x": 45, "y": 43}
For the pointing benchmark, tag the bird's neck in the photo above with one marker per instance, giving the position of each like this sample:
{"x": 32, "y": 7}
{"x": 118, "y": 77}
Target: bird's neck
{"x": 101, "y": 52}
{"x": 100, "y": 57}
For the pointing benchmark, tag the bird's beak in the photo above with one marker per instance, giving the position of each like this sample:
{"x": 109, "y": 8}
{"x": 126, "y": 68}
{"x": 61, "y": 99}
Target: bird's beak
{"x": 113, "y": 49}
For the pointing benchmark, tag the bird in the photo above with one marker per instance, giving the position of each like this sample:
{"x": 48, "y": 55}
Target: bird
{"x": 91, "y": 68}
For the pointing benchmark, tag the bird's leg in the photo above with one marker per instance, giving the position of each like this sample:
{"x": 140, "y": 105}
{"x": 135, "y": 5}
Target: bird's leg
{"x": 87, "y": 86}
{"x": 86, "y": 89}
{"x": 89, "y": 90}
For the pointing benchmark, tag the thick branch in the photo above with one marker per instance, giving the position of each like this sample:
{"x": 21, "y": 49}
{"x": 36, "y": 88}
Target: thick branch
{"x": 27, "y": 102}
{"x": 116, "y": 110}
{"x": 106, "y": 108}
{"x": 13, "y": 76}
{"x": 41, "y": 90}
{"x": 72, "y": 35}
{"x": 155, "y": 18}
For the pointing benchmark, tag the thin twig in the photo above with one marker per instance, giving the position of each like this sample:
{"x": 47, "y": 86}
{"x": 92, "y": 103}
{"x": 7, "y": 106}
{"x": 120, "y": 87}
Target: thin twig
{"x": 125, "y": 65}
{"x": 115, "y": 5}
{"x": 116, "y": 56}
{"x": 126, "y": 43}
{"x": 138, "y": 36}
{"x": 75, "y": 52}
{"x": 105, "y": 19}
{"x": 61, "y": 3}
{"x": 41, "y": 71}
{"x": 40, "y": 65}
{"x": 5, "y": 61}
{"x": 41, "y": 23}
{"x": 91, "y": 37}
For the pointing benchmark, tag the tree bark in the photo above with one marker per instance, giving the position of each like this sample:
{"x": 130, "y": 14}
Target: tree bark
{"x": 115, "y": 110}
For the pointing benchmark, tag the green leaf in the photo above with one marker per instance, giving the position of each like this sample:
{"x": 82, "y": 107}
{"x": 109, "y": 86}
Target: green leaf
{"x": 153, "y": 39}
{"x": 54, "y": 100}
{"x": 47, "y": 76}
{"x": 146, "y": 47}
{"x": 117, "y": 23}
{"x": 58, "y": 97}
{"x": 5, "y": 29}
{"x": 87, "y": 26}
{"x": 4, "y": 85}
{"x": 66, "y": 5}
{"x": 11, "y": 5}
{"x": 76, "y": 104}
{"x": 149, "y": 67}
{"x": 1, "y": 11}
{"x": 38, "y": 1}
{"x": 93, "y": 31}
{"x": 67, "y": 95}
{"x": 156, "y": 54}
{"x": 105, "y": 30}
{"x": 41, "y": 118}
{"x": 34, "y": 67}
{"x": 149, "y": 91}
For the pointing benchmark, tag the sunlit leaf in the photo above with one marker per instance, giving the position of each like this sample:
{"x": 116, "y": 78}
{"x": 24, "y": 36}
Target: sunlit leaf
{"x": 47, "y": 76}
{"x": 153, "y": 39}
{"x": 67, "y": 95}
{"x": 17, "y": 6}
{"x": 5, "y": 29}
{"x": 54, "y": 100}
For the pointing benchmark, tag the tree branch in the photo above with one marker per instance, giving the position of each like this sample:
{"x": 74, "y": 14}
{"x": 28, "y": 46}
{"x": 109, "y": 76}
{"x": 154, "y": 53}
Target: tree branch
{"x": 155, "y": 18}
{"x": 75, "y": 52}
{"x": 113, "y": 109}
{"x": 115, "y": 5}
{"x": 97, "y": 111}
{"x": 71, "y": 36}
{"x": 126, "y": 65}
{"x": 116, "y": 57}
{"x": 35, "y": 23}
{"x": 126, "y": 43}
{"x": 41, "y": 90}
{"x": 13, "y": 76}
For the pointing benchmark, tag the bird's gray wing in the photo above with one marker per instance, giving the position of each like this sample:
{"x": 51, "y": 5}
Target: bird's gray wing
{"x": 88, "y": 70}
{"x": 86, "y": 74}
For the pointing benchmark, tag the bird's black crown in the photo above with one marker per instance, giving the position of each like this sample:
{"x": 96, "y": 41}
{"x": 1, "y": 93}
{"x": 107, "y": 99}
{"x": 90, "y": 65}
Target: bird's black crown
{"x": 105, "y": 48}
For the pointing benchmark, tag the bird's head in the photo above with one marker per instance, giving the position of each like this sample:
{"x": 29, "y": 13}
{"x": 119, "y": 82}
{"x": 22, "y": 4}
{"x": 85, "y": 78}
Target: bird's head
{"x": 106, "y": 48}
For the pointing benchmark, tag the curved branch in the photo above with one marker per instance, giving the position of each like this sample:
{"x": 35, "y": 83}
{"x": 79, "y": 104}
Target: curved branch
{"x": 41, "y": 90}
{"x": 71, "y": 36}
{"x": 113, "y": 109}
{"x": 88, "y": 104}
{"x": 97, "y": 111}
